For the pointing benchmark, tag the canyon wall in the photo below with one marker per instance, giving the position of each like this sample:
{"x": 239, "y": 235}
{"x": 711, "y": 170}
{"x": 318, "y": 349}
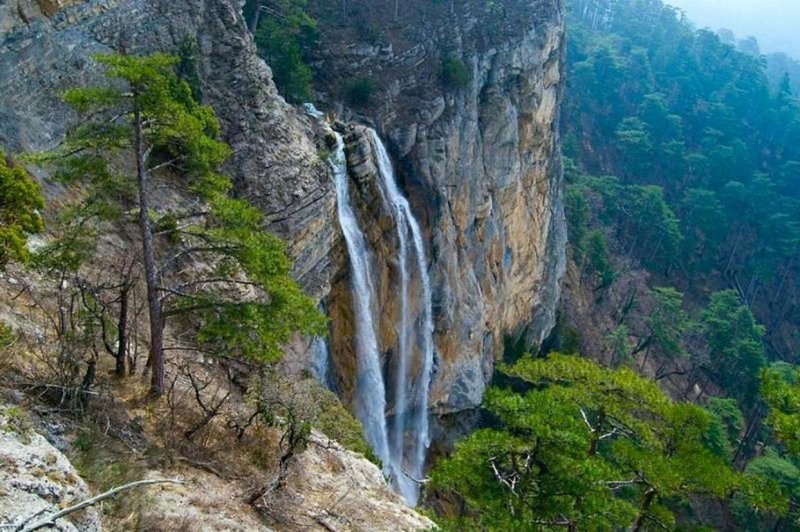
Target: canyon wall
{"x": 46, "y": 47}
{"x": 479, "y": 162}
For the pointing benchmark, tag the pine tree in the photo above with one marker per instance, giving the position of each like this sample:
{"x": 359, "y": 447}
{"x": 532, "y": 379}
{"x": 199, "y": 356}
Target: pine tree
{"x": 20, "y": 205}
{"x": 145, "y": 125}
{"x": 582, "y": 448}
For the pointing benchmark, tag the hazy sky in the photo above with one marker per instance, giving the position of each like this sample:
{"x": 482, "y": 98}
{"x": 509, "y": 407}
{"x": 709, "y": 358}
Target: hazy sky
{"x": 775, "y": 23}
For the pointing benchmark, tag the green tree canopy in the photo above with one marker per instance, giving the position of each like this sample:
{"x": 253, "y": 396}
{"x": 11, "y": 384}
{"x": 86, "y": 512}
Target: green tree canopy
{"x": 736, "y": 346}
{"x": 20, "y": 205}
{"x": 582, "y": 447}
{"x": 143, "y": 126}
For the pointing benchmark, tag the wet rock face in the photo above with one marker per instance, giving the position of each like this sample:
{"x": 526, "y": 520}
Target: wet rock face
{"x": 46, "y": 47}
{"x": 480, "y": 163}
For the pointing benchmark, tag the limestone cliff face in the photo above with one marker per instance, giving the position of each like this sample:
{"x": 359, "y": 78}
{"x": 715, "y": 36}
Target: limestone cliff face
{"x": 479, "y": 163}
{"x": 46, "y": 47}
{"x": 37, "y": 479}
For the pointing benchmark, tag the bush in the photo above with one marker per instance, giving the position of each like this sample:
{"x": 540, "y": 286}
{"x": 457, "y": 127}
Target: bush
{"x": 454, "y": 73}
{"x": 20, "y": 205}
{"x": 283, "y": 42}
{"x": 360, "y": 90}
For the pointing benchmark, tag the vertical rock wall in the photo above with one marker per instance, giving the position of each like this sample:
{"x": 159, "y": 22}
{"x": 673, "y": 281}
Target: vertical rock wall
{"x": 46, "y": 47}
{"x": 480, "y": 164}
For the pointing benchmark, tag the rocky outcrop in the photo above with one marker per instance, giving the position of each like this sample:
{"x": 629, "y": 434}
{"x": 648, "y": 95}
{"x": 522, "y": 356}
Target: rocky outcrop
{"x": 36, "y": 479}
{"x": 331, "y": 488}
{"x": 479, "y": 161}
{"x": 46, "y": 48}
{"x": 480, "y": 164}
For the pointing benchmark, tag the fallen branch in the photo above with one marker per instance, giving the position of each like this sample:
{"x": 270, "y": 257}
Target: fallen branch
{"x": 51, "y": 520}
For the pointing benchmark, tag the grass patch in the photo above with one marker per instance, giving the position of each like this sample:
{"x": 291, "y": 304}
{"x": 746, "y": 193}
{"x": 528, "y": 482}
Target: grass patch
{"x": 17, "y": 422}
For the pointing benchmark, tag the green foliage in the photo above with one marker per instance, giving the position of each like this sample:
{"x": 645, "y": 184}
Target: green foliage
{"x": 705, "y": 160}
{"x": 579, "y": 215}
{"x": 187, "y": 68}
{"x": 295, "y": 406}
{"x": 736, "y": 343}
{"x": 597, "y": 256}
{"x": 249, "y": 305}
{"x": 650, "y": 226}
{"x": 454, "y": 73}
{"x": 619, "y": 346}
{"x": 584, "y": 446}
{"x": 781, "y": 391}
{"x": 20, "y": 205}
{"x": 726, "y": 428}
{"x": 251, "y": 329}
{"x": 771, "y": 491}
{"x": 281, "y": 36}
{"x": 359, "y": 91}
{"x": 668, "y": 321}
{"x": 336, "y": 422}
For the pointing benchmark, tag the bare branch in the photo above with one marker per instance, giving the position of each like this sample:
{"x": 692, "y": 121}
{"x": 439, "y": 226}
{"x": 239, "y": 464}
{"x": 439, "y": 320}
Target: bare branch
{"x": 51, "y": 520}
{"x": 586, "y": 420}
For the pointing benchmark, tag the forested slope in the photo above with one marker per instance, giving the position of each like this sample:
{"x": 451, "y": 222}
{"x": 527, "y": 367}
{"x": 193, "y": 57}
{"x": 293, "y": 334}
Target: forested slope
{"x": 682, "y": 166}
{"x": 683, "y": 206}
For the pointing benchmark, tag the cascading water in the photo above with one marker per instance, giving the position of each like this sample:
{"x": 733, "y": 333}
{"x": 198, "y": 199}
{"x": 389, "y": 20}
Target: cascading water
{"x": 403, "y": 458}
{"x": 411, "y": 418}
{"x": 322, "y": 361}
{"x": 371, "y": 392}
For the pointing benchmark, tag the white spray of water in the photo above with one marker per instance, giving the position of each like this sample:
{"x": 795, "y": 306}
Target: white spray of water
{"x": 371, "y": 392}
{"x": 411, "y": 410}
{"x": 403, "y": 457}
{"x": 322, "y": 361}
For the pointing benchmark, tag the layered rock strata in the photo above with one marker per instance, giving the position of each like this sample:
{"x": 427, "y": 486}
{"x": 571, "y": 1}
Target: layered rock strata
{"x": 479, "y": 160}
{"x": 46, "y": 47}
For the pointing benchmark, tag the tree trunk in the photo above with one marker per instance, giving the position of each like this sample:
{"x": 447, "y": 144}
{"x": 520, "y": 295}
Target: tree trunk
{"x": 122, "y": 328}
{"x": 150, "y": 269}
{"x": 649, "y": 496}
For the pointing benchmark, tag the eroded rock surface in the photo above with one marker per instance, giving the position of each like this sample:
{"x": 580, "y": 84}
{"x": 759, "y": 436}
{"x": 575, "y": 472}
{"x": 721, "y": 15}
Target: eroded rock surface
{"x": 331, "y": 488}
{"x": 480, "y": 164}
{"x": 36, "y": 479}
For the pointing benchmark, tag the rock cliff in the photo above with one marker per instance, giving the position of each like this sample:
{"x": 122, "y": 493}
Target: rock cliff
{"x": 479, "y": 162}
{"x": 36, "y": 479}
{"x": 44, "y": 50}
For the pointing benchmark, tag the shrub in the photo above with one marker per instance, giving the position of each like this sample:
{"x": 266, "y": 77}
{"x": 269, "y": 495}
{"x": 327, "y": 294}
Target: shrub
{"x": 454, "y": 73}
{"x": 359, "y": 91}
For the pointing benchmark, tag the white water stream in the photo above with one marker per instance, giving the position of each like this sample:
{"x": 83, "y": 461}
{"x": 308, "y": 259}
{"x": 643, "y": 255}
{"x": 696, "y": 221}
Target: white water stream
{"x": 401, "y": 445}
{"x": 411, "y": 409}
{"x": 371, "y": 392}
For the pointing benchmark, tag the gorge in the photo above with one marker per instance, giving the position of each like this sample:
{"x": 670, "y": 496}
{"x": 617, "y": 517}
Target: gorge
{"x": 428, "y": 245}
{"x": 303, "y": 265}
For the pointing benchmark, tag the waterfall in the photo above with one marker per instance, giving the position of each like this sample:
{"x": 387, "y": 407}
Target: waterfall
{"x": 322, "y": 361}
{"x": 371, "y": 392}
{"x": 402, "y": 445}
{"x": 409, "y": 418}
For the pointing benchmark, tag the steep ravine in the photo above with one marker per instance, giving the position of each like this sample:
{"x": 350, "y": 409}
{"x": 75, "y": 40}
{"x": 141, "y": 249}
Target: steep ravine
{"x": 480, "y": 164}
